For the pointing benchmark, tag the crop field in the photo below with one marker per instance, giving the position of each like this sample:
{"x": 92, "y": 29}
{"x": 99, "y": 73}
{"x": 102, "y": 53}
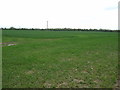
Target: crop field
{"x": 59, "y": 59}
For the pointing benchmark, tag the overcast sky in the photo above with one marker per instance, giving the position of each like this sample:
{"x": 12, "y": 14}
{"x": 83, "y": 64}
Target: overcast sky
{"x": 59, "y": 13}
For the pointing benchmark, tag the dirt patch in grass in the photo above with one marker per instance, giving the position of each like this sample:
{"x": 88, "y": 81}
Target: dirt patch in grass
{"x": 63, "y": 84}
{"x": 78, "y": 81}
{"x": 7, "y": 44}
{"x": 117, "y": 85}
{"x": 84, "y": 71}
{"x": 47, "y": 85}
{"x": 29, "y": 72}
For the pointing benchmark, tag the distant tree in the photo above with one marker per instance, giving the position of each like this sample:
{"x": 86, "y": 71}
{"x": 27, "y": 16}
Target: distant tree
{"x": 12, "y": 28}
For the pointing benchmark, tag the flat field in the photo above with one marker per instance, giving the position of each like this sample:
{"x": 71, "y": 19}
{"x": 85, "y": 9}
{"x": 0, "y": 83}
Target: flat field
{"x": 59, "y": 59}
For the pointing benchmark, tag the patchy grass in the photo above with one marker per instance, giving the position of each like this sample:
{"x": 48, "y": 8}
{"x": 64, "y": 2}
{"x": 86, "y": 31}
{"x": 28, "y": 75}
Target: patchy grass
{"x": 54, "y": 59}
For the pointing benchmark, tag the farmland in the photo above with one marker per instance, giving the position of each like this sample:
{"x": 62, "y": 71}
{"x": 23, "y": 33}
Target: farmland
{"x": 59, "y": 59}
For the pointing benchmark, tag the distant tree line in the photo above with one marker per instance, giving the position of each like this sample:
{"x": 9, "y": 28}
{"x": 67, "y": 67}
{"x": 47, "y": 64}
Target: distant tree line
{"x": 61, "y": 29}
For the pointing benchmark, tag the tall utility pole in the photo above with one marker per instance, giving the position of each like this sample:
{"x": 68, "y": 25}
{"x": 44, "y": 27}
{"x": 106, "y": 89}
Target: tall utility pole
{"x": 47, "y": 24}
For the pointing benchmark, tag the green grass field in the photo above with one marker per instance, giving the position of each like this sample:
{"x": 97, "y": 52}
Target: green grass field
{"x": 59, "y": 59}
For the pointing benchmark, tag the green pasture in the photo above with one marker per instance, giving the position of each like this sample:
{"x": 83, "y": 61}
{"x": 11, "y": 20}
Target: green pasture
{"x": 59, "y": 59}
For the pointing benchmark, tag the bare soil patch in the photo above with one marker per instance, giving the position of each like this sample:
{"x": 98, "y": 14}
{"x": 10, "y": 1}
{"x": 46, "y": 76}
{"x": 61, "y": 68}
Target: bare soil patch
{"x": 7, "y": 44}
